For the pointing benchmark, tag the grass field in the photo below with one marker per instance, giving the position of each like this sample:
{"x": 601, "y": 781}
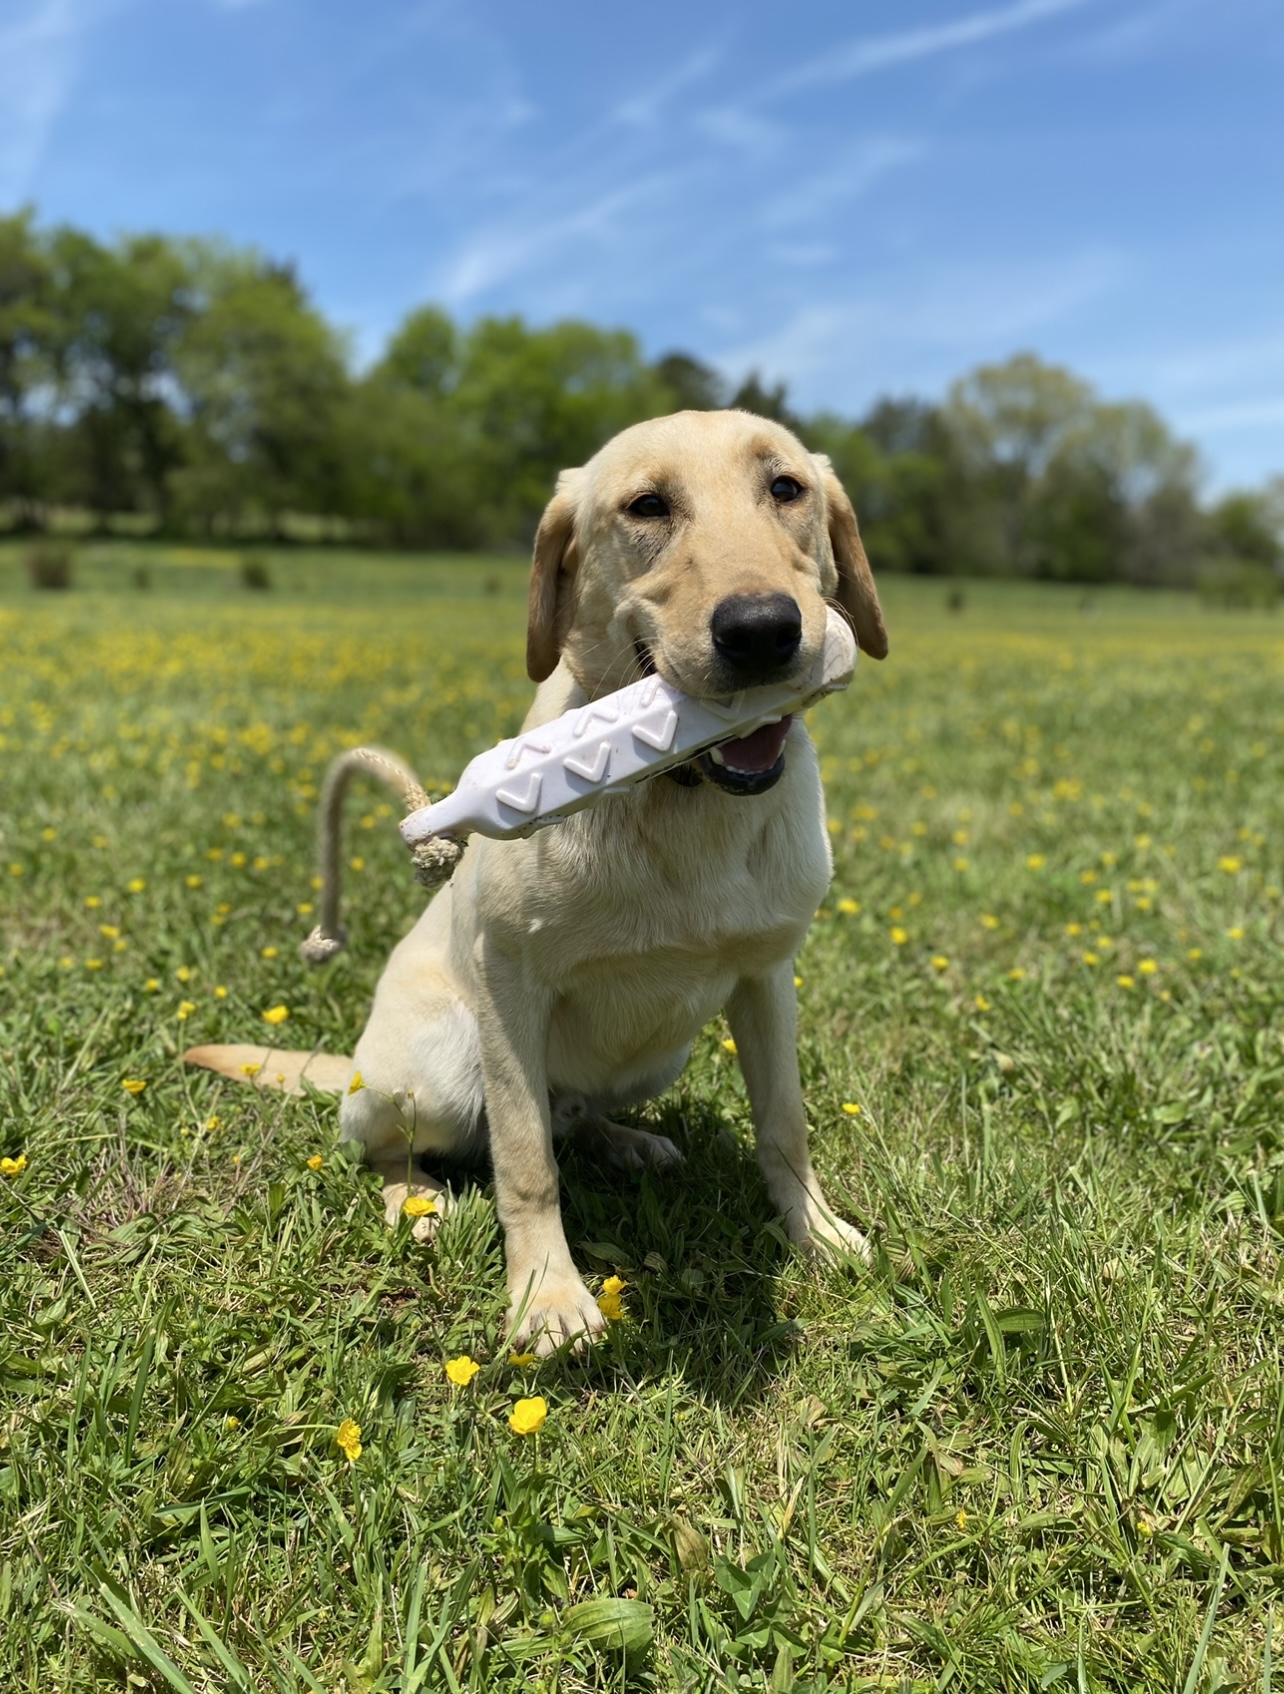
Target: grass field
{"x": 1038, "y": 1445}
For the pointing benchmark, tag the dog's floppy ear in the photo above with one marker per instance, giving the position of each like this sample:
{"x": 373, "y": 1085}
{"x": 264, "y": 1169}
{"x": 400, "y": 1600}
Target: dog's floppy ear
{"x": 856, "y": 592}
{"x": 552, "y": 576}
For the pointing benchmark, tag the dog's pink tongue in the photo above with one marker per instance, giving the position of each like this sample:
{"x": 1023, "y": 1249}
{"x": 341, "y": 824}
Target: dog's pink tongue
{"x": 756, "y": 752}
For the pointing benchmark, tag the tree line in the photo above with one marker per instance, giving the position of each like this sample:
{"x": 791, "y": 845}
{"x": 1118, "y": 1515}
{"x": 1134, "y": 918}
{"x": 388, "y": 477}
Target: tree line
{"x": 192, "y": 387}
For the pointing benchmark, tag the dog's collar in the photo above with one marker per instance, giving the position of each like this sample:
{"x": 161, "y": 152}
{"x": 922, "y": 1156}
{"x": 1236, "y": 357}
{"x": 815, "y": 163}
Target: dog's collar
{"x": 686, "y": 776}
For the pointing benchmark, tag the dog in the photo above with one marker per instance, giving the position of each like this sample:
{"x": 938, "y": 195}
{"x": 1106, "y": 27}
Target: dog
{"x": 559, "y": 979}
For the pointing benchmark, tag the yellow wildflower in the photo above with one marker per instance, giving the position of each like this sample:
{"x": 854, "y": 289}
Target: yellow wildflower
{"x": 960, "y": 1519}
{"x": 729, "y": 1046}
{"x": 527, "y": 1416}
{"x": 609, "y": 1302}
{"x": 462, "y": 1370}
{"x": 848, "y": 907}
{"x": 185, "y": 1009}
{"x": 269, "y": 953}
{"x": 220, "y": 993}
{"x": 251, "y": 1070}
{"x": 184, "y": 973}
{"x": 152, "y": 985}
{"x": 133, "y": 1084}
{"x": 989, "y": 921}
{"x": 13, "y": 1167}
{"x": 852, "y": 1109}
{"x": 193, "y": 881}
{"x": 315, "y": 1162}
{"x": 418, "y": 1206}
{"x": 521, "y": 1360}
{"x": 1147, "y": 967}
{"x": 1092, "y": 958}
{"x": 940, "y": 962}
{"x": 137, "y": 885}
{"x": 981, "y": 1003}
{"x": 1016, "y": 974}
{"x": 898, "y": 935}
{"x": 276, "y": 1014}
{"x": 357, "y": 1083}
{"x": 1126, "y": 981}
{"x": 1235, "y": 934}
{"x": 1035, "y": 861}
{"x": 348, "y": 1440}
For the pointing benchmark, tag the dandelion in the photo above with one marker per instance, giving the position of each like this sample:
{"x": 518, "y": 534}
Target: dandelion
{"x": 193, "y": 881}
{"x": 798, "y": 982}
{"x": 852, "y": 1108}
{"x": 1236, "y": 933}
{"x": 1035, "y": 861}
{"x": 276, "y": 1015}
{"x": 848, "y": 907}
{"x": 960, "y": 864}
{"x": 960, "y": 1519}
{"x": 16, "y": 870}
{"x": 269, "y": 953}
{"x": 133, "y": 1084}
{"x": 1147, "y": 967}
{"x": 348, "y": 1440}
{"x": 184, "y": 973}
{"x": 220, "y": 993}
{"x": 729, "y": 1046}
{"x": 1074, "y": 929}
{"x": 989, "y": 921}
{"x": 136, "y": 886}
{"x": 1126, "y": 981}
{"x": 315, "y": 1162}
{"x": 185, "y": 1010}
{"x": 898, "y": 935}
{"x": 940, "y": 962}
{"x": 608, "y": 1301}
{"x": 522, "y": 1361}
{"x": 1103, "y": 896}
{"x": 1144, "y": 1527}
{"x": 357, "y": 1083}
{"x": 527, "y": 1416}
{"x": 231, "y": 1424}
{"x": 152, "y": 985}
{"x": 211, "y": 1124}
{"x": 418, "y": 1206}
{"x": 93, "y": 964}
{"x": 358, "y": 864}
{"x": 462, "y": 1370}
{"x": 109, "y": 930}
{"x": 981, "y": 1003}
{"x": 1092, "y": 958}
{"x": 1194, "y": 953}
{"x": 13, "y": 1167}
{"x": 1017, "y": 973}
{"x": 251, "y": 1070}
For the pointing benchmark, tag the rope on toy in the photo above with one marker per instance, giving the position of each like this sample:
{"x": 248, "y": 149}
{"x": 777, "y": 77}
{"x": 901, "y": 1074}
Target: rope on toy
{"x": 434, "y": 859}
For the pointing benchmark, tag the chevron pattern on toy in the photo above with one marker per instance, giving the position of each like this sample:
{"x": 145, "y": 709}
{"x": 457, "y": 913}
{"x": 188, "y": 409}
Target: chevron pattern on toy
{"x": 607, "y": 745}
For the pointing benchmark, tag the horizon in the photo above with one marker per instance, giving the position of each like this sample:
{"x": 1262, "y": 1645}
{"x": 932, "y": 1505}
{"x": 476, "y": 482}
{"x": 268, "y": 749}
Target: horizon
{"x": 855, "y": 211}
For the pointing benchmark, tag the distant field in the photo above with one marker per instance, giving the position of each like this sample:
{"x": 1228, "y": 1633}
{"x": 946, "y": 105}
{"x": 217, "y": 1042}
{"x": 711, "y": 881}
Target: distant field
{"x": 1039, "y": 1445}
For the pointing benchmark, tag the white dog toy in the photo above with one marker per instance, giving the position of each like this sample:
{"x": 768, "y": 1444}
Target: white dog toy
{"x": 545, "y": 774}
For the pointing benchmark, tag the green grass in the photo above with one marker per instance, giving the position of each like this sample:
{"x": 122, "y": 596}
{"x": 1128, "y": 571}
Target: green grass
{"x": 1038, "y": 1445}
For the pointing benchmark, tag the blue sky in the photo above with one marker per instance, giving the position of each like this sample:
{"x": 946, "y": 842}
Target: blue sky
{"x": 860, "y": 198}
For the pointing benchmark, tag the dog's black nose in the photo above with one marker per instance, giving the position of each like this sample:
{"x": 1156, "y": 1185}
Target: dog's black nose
{"x": 757, "y": 633}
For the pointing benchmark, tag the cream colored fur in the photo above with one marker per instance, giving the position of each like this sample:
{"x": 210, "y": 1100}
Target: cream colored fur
{"x": 559, "y": 979}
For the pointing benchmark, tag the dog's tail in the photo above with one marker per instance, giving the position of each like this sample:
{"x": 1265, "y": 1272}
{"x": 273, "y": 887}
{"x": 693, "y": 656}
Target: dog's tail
{"x": 268, "y": 1067}
{"x": 328, "y": 938}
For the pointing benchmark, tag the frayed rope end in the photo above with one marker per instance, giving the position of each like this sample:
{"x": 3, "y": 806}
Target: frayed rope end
{"x": 320, "y": 948}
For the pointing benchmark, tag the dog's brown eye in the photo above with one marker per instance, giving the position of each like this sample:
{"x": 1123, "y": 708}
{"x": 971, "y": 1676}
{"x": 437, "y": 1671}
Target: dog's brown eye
{"x": 649, "y": 506}
{"x": 785, "y": 489}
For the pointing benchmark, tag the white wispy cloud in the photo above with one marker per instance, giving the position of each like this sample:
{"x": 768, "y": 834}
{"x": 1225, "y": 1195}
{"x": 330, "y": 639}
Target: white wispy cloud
{"x": 871, "y": 53}
{"x": 643, "y": 110}
{"x": 856, "y": 171}
{"x": 38, "y": 56}
{"x": 508, "y": 249}
{"x": 948, "y": 320}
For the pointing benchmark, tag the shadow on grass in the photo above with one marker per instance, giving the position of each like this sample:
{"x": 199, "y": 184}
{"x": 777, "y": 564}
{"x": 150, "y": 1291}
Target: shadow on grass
{"x": 701, "y": 1253}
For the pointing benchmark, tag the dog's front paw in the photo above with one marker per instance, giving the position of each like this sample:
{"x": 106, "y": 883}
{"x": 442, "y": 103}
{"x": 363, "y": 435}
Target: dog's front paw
{"x": 829, "y": 1237}
{"x": 545, "y": 1315}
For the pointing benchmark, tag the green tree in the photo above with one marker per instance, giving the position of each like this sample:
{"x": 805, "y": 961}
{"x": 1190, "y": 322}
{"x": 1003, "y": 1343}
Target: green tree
{"x": 119, "y": 314}
{"x": 690, "y": 385}
{"x": 264, "y": 386}
{"x": 26, "y": 324}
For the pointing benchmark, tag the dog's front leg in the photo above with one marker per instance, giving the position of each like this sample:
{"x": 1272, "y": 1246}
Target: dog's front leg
{"x": 763, "y": 1014}
{"x": 549, "y": 1303}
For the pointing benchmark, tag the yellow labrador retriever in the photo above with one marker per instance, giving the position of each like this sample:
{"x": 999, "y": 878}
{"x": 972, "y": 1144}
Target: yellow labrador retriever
{"x": 558, "y": 979}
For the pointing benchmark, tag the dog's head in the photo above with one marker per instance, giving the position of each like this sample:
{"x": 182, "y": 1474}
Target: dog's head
{"x": 706, "y": 546}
